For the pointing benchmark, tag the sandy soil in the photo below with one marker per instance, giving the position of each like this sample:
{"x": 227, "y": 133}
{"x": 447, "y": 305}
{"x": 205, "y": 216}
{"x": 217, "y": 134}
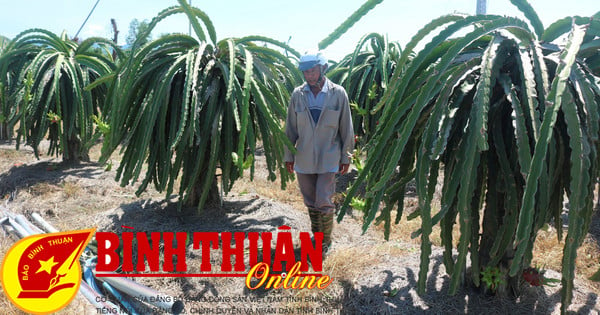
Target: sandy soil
{"x": 370, "y": 275}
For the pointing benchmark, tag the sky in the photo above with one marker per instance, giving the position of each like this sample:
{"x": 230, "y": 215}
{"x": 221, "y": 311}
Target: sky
{"x": 301, "y": 23}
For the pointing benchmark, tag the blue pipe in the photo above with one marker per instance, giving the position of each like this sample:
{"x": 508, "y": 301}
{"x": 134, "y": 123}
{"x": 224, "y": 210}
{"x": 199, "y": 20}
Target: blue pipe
{"x": 128, "y": 306}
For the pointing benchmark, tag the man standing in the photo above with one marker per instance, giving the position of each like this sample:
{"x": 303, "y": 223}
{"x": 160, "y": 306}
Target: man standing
{"x": 319, "y": 124}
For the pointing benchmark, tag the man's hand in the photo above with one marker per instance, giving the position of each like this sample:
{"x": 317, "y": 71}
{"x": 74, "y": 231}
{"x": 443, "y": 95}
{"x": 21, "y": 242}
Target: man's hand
{"x": 290, "y": 167}
{"x": 344, "y": 168}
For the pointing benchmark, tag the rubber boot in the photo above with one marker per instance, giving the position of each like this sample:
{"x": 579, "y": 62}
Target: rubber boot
{"x": 315, "y": 220}
{"x": 327, "y": 229}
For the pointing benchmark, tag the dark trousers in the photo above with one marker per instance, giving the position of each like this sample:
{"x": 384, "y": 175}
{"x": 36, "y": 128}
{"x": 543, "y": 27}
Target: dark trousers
{"x": 317, "y": 191}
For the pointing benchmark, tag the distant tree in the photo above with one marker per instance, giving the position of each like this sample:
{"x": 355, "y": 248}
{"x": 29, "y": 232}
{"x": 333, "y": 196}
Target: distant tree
{"x": 3, "y": 42}
{"x": 136, "y": 27}
{"x": 5, "y": 129}
{"x": 365, "y": 74}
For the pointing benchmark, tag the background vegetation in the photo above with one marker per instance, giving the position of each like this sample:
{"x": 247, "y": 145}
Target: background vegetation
{"x": 43, "y": 77}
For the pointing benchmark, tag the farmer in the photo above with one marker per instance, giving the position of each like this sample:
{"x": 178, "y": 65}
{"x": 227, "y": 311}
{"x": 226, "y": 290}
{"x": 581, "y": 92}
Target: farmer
{"x": 319, "y": 124}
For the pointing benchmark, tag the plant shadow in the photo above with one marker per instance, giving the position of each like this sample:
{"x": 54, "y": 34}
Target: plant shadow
{"x": 20, "y": 177}
{"x": 390, "y": 298}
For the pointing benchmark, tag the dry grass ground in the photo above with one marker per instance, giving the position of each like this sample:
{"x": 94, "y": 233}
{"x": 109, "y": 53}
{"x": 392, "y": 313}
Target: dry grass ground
{"x": 370, "y": 275}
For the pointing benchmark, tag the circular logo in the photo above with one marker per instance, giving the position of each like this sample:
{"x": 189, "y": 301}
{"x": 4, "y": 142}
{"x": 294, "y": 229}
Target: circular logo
{"x": 41, "y": 273}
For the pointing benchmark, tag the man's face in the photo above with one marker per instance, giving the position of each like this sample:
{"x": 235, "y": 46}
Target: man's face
{"x": 312, "y": 75}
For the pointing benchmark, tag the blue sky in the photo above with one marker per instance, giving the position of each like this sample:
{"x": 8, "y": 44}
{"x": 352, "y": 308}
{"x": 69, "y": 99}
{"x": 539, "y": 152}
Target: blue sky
{"x": 306, "y": 21}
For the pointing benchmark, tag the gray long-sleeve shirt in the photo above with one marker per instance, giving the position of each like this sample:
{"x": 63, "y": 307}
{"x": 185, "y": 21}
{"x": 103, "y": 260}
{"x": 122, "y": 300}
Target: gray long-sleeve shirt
{"x": 320, "y": 146}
